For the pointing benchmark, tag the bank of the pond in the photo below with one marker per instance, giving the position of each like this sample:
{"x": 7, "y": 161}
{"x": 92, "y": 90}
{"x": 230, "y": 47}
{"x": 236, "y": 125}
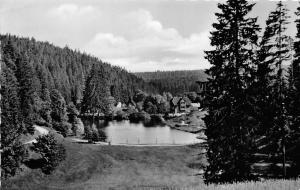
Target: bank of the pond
{"x": 83, "y": 141}
{"x": 142, "y": 129}
{"x": 129, "y": 133}
{"x": 193, "y": 122}
{"x": 134, "y": 117}
{"x": 115, "y": 167}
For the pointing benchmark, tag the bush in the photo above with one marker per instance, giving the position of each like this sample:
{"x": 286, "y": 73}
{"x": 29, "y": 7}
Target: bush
{"x": 149, "y": 107}
{"x": 93, "y": 134}
{"x": 78, "y": 127}
{"x": 72, "y": 112}
{"x": 12, "y": 157}
{"x": 51, "y": 151}
{"x": 157, "y": 120}
{"x": 63, "y": 127}
{"x": 42, "y": 122}
{"x": 120, "y": 115}
{"x": 140, "y": 96}
{"x": 140, "y": 117}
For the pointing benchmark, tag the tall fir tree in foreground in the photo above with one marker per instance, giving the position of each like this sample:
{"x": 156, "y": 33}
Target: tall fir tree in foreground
{"x": 274, "y": 51}
{"x": 294, "y": 100}
{"x": 266, "y": 65}
{"x": 96, "y": 92}
{"x": 230, "y": 127}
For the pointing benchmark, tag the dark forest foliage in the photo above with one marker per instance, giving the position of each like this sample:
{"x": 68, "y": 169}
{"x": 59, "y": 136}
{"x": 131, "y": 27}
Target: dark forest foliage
{"x": 253, "y": 108}
{"x": 230, "y": 127}
{"x": 96, "y": 92}
{"x": 52, "y": 152}
{"x": 293, "y": 106}
{"x": 66, "y": 70}
{"x": 13, "y": 152}
{"x": 274, "y": 51}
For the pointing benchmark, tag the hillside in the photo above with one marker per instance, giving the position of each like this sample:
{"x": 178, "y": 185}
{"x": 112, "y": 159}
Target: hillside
{"x": 65, "y": 69}
{"x": 176, "y": 82}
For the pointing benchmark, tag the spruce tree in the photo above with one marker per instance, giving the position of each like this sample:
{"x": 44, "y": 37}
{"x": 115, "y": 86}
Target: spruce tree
{"x": 294, "y": 100}
{"x": 13, "y": 152}
{"x": 230, "y": 127}
{"x": 264, "y": 78}
{"x": 9, "y": 54}
{"x": 96, "y": 92}
{"x": 58, "y": 107}
{"x": 274, "y": 51}
{"x": 27, "y": 91}
{"x": 59, "y": 113}
{"x": 46, "y": 109}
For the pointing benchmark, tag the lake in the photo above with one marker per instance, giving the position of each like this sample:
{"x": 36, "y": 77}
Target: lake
{"x": 124, "y": 132}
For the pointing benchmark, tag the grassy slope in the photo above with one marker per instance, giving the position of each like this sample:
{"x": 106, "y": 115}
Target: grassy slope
{"x": 103, "y": 167}
{"x": 115, "y": 167}
{"x": 266, "y": 185}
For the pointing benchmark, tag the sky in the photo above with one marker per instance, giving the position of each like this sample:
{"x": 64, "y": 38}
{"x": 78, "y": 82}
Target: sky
{"x": 138, "y": 35}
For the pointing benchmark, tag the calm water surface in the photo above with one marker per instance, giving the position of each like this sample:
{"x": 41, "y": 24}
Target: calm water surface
{"x": 124, "y": 132}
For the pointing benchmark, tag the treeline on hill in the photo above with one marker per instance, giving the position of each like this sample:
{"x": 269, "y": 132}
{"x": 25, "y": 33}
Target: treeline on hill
{"x": 66, "y": 70}
{"x": 253, "y": 125}
{"x": 47, "y": 85}
{"x": 175, "y": 82}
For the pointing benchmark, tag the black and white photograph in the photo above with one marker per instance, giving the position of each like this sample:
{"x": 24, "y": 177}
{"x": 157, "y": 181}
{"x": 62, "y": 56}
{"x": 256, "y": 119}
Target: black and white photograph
{"x": 150, "y": 94}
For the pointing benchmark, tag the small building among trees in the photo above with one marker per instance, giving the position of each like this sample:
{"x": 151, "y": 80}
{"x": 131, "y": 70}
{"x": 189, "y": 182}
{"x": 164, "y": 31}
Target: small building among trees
{"x": 180, "y": 104}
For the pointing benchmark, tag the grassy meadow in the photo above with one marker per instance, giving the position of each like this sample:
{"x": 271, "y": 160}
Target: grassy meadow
{"x": 90, "y": 166}
{"x": 96, "y": 167}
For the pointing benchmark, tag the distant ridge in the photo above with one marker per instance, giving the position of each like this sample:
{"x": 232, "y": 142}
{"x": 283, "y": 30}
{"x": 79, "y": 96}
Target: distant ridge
{"x": 176, "y": 82}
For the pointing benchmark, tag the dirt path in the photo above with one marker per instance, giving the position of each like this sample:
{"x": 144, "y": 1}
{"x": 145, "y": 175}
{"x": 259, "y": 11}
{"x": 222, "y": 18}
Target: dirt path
{"x": 40, "y": 131}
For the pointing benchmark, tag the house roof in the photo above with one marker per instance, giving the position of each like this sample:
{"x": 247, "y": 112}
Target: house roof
{"x": 187, "y": 100}
{"x": 175, "y": 100}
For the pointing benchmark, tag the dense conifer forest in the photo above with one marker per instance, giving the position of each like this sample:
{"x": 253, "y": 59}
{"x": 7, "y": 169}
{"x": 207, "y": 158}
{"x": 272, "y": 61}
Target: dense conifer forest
{"x": 253, "y": 119}
{"x": 175, "y": 82}
{"x": 47, "y": 85}
{"x": 66, "y": 70}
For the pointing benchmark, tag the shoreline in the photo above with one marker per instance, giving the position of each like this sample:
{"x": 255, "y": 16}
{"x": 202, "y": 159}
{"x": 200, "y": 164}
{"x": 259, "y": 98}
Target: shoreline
{"x": 83, "y": 141}
{"x": 194, "y": 122}
{"x": 188, "y": 129}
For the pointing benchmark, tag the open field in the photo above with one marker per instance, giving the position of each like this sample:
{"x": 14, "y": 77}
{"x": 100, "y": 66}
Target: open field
{"x": 94, "y": 167}
{"x": 266, "y": 185}
{"x": 89, "y": 166}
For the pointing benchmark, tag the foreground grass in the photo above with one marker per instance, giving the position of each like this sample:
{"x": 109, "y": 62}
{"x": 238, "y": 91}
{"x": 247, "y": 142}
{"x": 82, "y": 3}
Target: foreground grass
{"x": 265, "y": 185}
{"x": 89, "y": 166}
{"x": 94, "y": 167}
